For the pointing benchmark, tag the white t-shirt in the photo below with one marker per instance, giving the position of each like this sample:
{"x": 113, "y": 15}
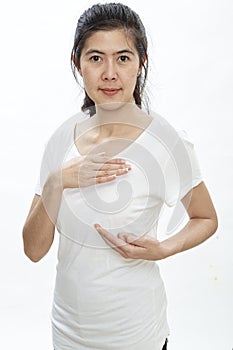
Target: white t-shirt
{"x": 102, "y": 300}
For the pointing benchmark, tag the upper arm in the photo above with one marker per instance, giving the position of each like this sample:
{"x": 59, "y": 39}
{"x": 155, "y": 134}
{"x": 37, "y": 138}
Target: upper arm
{"x": 198, "y": 203}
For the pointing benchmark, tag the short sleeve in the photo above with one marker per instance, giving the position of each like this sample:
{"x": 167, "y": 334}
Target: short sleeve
{"x": 45, "y": 169}
{"x": 38, "y": 189}
{"x": 56, "y": 149}
{"x": 182, "y": 171}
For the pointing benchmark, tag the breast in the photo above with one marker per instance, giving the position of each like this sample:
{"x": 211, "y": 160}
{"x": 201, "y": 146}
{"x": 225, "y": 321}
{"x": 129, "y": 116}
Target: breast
{"x": 131, "y": 203}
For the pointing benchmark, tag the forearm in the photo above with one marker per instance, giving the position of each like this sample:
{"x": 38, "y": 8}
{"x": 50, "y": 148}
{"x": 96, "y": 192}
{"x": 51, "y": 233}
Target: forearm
{"x": 202, "y": 224}
{"x": 196, "y": 231}
{"x": 39, "y": 228}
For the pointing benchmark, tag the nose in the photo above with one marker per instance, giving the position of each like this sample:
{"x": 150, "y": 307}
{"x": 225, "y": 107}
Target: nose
{"x": 110, "y": 71}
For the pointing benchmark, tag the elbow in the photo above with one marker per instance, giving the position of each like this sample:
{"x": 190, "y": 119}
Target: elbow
{"x": 29, "y": 250}
{"x": 213, "y": 225}
{"x": 30, "y": 254}
{"x": 32, "y": 257}
{"x": 215, "y": 222}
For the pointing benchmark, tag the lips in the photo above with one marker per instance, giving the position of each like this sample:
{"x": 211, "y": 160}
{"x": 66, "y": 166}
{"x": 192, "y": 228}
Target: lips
{"x": 110, "y": 91}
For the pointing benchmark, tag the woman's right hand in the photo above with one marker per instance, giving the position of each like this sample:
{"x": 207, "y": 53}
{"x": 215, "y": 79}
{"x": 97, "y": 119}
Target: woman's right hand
{"x": 92, "y": 169}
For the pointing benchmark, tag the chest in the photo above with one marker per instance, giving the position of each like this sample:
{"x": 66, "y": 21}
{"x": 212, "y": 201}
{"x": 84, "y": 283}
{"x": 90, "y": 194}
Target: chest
{"x": 93, "y": 140}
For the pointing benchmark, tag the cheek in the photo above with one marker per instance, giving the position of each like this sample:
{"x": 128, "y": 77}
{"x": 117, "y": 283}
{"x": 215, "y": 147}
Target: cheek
{"x": 131, "y": 78}
{"x": 132, "y": 73}
{"x": 88, "y": 78}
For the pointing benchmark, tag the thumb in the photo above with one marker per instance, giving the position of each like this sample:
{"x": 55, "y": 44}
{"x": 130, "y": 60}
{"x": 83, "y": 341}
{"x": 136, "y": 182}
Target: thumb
{"x": 128, "y": 237}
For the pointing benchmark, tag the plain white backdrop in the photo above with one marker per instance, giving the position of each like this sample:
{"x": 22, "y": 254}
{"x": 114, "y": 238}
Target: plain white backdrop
{"x": 190, "y": 84}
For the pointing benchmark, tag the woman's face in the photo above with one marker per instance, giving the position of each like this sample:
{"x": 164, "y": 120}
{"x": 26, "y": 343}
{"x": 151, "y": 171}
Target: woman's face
{"x": 109, "y": 66}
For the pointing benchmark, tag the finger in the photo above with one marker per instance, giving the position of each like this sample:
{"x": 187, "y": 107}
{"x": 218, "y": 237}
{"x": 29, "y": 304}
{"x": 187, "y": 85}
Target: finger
{"x": 99, "y": 180}
{"x": 115, "y": 241}
{"x": 125, "y": 249}
{"x": 105, "y": 170}
{"x": 117, "y": 249}
{"x": 131, "y": 238}
{"x": 116, "y": 161}
{"x": 89, "y": 167}
{"x": 131, "y": 251}
{"x": 103, "y": 158}
{"x": 117, "y": 172}
{"x": 85, "y": 182}
{"x": 114, "y": 244}
{"x": 97, "y": 158}
{"x": 111, "y": 166}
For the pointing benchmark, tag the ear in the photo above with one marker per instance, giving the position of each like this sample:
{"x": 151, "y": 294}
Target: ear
{"x": 74, "y": 60}
{"x": 143, "y": 61}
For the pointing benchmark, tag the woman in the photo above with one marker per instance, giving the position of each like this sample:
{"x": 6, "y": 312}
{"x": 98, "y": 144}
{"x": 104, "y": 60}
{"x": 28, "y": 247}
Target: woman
{"x": 105, "y": 176}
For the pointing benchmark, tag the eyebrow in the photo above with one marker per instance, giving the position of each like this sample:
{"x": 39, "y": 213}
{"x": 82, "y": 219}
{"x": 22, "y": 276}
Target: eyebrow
{"x": 91, "y": 51}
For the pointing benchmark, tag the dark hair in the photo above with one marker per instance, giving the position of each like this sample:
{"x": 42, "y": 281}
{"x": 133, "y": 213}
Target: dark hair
{"x": 111, "y": 16}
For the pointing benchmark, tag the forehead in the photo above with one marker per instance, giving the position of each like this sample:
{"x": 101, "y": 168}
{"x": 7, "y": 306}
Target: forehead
{"x": 110, "y": 41}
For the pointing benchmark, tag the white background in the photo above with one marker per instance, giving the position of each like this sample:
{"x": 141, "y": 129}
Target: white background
{"x": 191, "y": 85}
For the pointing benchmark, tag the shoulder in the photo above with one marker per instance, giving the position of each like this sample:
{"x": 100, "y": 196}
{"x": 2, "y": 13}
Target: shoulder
{"x": 68, "y": 126}
{"x": 63, "y": 135}
{"x": 62, "y": 140}
{"x": 185, "y": 137}
{"x": 170, "y": 136}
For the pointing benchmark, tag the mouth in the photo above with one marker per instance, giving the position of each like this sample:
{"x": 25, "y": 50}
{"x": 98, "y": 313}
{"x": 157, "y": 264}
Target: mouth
{"x": 110, "y": 92}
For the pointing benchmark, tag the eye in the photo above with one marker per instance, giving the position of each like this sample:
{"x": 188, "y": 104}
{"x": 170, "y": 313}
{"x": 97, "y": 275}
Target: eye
{"x": 123, "y": 58}
{"x": 95, "y": 58}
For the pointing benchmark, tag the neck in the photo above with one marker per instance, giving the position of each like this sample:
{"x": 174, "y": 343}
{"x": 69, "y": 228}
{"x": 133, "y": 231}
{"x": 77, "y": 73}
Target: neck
{"x": 110, "y": 118}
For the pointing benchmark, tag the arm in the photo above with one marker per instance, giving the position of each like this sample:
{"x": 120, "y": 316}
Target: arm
{"x": 39, "y": 228}
{"x": 202, "y": 222}
{"x": 201, "y": 225}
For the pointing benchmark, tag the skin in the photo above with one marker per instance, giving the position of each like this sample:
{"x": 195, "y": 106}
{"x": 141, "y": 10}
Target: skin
{"x": 39, "y": 228}
{"x": 109, "y": 66}
{"x": 109, "y": 60}
{"x": 201, "y": 225}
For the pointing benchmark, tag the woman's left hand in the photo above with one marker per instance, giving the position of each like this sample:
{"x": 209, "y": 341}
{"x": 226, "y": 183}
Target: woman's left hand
{"x": 131, "y": 246}
{"x": 203, "y": 222}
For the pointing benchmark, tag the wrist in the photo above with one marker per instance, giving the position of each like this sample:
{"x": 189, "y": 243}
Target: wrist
{"x": 163, "y": 251}
{"x": 171, "y": 247}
